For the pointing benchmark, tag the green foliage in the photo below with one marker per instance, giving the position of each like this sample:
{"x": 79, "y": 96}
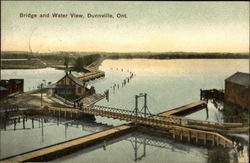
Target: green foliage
{"x": 66, "y": 61}
{"x": 84, "y": 61}
{"x": 235, "y": 114}
{"x": 176, "y": 55}
{"x": 218, "y": 155}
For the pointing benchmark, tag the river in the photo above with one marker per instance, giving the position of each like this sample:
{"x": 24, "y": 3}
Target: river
{"x": 168, "y": 83}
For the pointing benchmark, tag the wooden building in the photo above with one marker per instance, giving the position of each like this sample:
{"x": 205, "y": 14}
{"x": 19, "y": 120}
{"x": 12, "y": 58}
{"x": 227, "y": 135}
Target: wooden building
{"x": 72, "y": 87}
{"x": 12, "y": 86}
{"x": 237, "y": 89}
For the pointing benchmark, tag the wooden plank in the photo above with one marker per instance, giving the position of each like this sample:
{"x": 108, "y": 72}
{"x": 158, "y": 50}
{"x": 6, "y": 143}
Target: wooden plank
{"x": 44, "y": 152}
{"x": 183, "y": 108}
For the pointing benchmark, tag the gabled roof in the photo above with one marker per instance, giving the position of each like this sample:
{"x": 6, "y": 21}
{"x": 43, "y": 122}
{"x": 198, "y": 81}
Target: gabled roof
{"x": 76, "y": 80}
{"x": 73, "y": 78}
{"x": 239, "y": 78}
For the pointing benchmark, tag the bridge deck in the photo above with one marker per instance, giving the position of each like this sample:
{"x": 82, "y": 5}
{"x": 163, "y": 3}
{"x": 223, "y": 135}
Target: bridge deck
{"x": 169, "y": 124}
{"x": 61, "y": 149}
{"x": 183, "y": 110}
{"x": 156, "y": 120}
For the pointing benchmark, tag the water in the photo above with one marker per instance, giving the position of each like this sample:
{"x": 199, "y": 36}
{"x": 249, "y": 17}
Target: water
{"x": 33, "y": 77}
{"x": 23, "y": 140}
{"x": 139, "y": 147}
{"x": 168, "y": 83}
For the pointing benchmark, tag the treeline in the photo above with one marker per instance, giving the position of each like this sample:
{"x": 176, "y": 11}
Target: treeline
{"x": 72, "y": 56}
{"x": 85, "y": 61}
{"x": 76, "y": 60}
{"x": 180, "y": 55}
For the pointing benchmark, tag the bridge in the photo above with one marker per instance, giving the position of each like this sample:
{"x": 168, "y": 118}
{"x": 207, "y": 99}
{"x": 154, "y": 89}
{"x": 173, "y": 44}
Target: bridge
{"x": 93, "y": 72}
{"x": 162, "y": 120}
{"x": 180, "y": 128}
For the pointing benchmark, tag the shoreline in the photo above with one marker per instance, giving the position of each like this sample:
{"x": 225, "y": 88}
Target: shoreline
{"x": 99, "y": 62}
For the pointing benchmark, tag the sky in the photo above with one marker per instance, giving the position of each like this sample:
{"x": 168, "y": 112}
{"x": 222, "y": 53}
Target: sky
{"x": 149, "y": 26}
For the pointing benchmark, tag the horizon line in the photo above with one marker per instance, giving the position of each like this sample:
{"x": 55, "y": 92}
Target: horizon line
{"x": 124, "y": 52}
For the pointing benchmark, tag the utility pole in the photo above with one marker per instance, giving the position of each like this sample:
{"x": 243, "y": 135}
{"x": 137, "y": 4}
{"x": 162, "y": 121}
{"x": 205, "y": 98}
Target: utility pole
{"x": 145, "y": 104}
{"x": 41, "y": 95}
{"x": 136, "y": 105}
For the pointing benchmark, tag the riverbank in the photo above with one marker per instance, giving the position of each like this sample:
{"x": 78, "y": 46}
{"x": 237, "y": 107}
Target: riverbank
{"x": 15, "y": 60}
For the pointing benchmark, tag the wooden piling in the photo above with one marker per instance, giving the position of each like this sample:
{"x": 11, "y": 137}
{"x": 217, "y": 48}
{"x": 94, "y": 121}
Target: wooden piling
{"x": 32, "y": 122}
{"x": 23, "y": 122}
{"x": 213, "y": 138}
{"x": 189, "y": 136}
{"x": 205, "y": 138}
{"x": 196, "y": 137}
{"x": 173, "y": 133}
{"x": 14, "y": 124}
{"x": 218, "y": 140}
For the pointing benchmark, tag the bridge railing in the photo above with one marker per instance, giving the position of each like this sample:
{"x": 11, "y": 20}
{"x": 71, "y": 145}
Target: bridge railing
{"x": 118, "y": 110}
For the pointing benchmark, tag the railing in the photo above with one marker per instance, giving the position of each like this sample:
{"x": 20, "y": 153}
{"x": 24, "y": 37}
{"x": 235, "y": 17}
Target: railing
{"x": 63, "y": 99}
{"x": 168, "y": 123}
{"x": 118, "y": 110}
{"x": 157, "y": 120}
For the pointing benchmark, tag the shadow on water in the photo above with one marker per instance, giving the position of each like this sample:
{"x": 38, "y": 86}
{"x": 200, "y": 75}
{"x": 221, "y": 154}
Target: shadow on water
{"x": 42, "y": 131}
{"x": 136, "y": 147}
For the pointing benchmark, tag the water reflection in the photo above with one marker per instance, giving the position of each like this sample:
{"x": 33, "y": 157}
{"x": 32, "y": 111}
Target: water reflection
{"x": 41, "y": 131}
{"x": 136, "y": 147}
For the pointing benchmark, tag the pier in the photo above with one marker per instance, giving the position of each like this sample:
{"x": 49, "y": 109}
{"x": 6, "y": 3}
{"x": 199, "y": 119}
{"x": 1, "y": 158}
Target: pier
{"x": 94, "y": 73}
{"x": 178, "y": 128}
{"x": 64, "y": 148}
{"x": 149, "y": 119}
{"x": 185, "y": 110}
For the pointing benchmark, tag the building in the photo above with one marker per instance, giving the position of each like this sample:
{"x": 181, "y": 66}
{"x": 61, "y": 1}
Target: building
{"x": 237, "y": 89}
{"x": 9, "y": 87}
{"x": 71, "y": 87}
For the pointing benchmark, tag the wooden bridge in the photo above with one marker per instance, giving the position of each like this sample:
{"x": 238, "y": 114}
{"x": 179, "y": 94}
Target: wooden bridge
{"x": 93, "y": 72}
{"x": 186, "y": 109}
{"x": 163, "y": 120}
{"x": 92, "y": 75}
{"x": 166, "y": 123}
{"x": 67, "y": 147}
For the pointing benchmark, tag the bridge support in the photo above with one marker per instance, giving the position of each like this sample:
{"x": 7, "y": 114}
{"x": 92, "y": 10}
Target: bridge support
{"x": 23, "y": 123}
{"x": 15, "y": 124}
{"x": 144, "y": 108}
{"x": 32, "y": 122}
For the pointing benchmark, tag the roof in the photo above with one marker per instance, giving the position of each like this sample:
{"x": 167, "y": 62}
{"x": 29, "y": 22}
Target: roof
{"x": 239, "y": 78}
{"x": 76, "y": 80}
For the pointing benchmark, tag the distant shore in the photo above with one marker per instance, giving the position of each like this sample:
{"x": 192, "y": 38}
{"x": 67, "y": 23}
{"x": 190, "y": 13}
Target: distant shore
{"x": 25, "y": 60}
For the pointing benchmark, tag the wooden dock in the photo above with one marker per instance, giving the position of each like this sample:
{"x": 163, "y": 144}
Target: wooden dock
{"x": 93, "y": 74}
{"x": 201, "y": 124}
{"x": 194, "y": 136}
{"x": 155, "y": 121}
{"x": 184, "y": 110}
{"x": 64, "y": 148}
{"x": 178, "y": 128}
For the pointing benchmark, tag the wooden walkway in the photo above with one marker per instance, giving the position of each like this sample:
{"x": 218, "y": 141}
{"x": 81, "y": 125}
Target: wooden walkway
{"x": 200, "y": 136}
{"x": 184, "y": 110}
{"x": 93, "y": 73}
{"x": 156, "y": 120}
{"x": 165, "y": 122}
{"x": 201, "y": 124}
{"x": 62, "y": 149}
